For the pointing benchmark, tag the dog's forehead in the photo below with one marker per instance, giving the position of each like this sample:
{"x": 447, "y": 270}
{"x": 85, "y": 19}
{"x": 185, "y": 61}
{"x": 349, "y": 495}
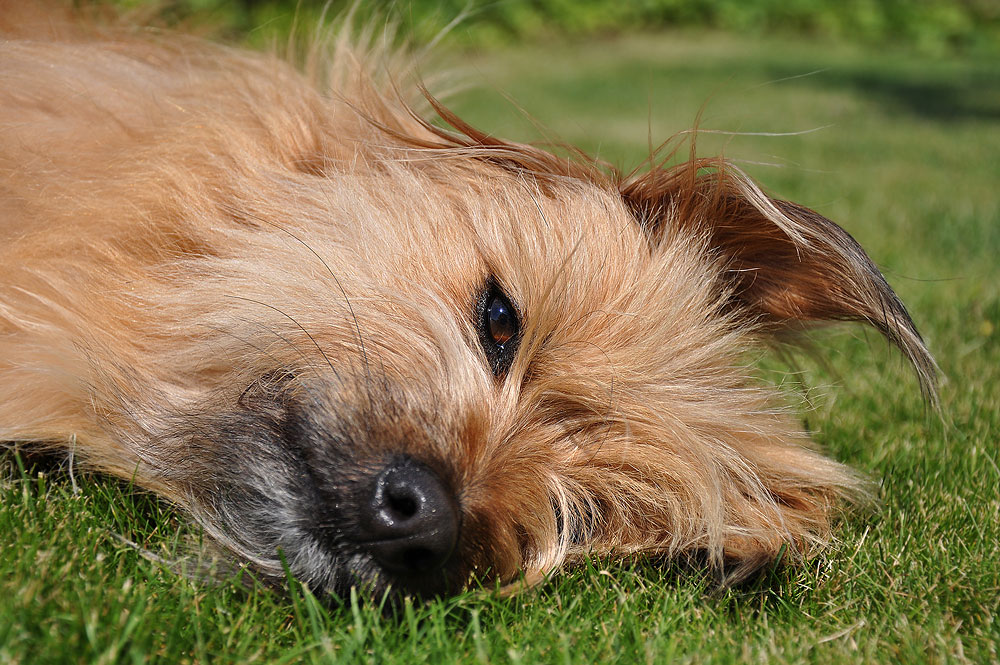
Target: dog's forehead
{"x": 412, "y": 231}
{"x": 490, "y": 223}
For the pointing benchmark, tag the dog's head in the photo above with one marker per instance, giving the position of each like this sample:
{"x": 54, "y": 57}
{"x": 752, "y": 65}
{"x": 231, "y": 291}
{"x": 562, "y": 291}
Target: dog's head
{"x": 470, "y": 358}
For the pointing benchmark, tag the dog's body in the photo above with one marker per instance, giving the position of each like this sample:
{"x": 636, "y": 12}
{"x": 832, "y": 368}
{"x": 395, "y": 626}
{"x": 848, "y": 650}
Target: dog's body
{"x": 392, "y": 354}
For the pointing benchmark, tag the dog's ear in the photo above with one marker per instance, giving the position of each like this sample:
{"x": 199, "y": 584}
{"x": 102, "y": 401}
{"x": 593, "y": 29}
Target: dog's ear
{"x": 786, "y": 265}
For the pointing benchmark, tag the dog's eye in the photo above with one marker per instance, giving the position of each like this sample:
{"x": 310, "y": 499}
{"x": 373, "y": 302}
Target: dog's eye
{"x": 499, "y": 328}
{"x": 501, "y": 321}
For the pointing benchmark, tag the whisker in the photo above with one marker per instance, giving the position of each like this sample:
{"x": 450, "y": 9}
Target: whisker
{"x": 343, "y": 292}
{"x": 293, "y": 320}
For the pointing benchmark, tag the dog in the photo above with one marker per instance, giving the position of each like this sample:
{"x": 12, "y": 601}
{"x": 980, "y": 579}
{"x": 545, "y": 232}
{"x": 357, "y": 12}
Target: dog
{"x": 394, "y": 354}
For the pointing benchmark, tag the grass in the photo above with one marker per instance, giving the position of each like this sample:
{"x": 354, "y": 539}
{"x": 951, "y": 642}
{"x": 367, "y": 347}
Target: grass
{"x": 906, "y": 155}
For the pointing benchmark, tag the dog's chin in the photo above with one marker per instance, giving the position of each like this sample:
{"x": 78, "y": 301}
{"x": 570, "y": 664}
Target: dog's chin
{"x": 332, "y": 573}
{"x": 345, "y": 560}
{"x": 363, "y": 573}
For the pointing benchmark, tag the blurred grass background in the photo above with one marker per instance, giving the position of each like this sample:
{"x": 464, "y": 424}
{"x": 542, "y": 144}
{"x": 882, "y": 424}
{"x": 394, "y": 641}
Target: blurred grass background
{"x": 932, "y": 26}
{"x": 895, "y": 136}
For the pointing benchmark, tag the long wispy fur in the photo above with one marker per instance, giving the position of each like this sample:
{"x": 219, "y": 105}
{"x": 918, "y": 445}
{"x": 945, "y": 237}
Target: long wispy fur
{"x": 246, "y": 288}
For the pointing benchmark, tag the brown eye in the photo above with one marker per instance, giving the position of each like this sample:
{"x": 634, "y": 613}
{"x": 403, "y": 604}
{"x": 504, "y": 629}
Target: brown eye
{"x": 498, "y": 326}
{"x": 500, "y": 321}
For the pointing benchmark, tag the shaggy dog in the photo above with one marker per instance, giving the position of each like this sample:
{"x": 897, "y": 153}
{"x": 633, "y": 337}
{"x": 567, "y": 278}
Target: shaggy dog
{"x": 392, "y": 354}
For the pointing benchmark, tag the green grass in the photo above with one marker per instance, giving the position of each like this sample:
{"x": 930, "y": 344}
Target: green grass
{"x": 906, "y": 156}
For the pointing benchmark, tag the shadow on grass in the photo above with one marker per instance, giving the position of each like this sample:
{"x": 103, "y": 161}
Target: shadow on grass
{"x": 941, "y": 96}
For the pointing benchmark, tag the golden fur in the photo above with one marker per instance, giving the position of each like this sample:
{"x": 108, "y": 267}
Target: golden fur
{"x": 246, "y": 288}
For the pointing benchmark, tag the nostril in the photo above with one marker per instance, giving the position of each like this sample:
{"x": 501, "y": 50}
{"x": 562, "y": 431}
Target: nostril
{"x": 405, "y": 496}
{"x": 410, "y": 523}
{"x": 402, "y": 504}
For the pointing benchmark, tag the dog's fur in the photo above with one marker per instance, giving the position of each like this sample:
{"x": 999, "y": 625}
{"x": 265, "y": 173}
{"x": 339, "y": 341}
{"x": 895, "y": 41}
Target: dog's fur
{"x": 249, "y": 290}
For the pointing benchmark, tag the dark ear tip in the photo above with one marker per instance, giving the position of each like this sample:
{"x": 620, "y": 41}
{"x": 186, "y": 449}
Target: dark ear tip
{"x": 874, "y": 300}
{"x": 923, "y": 363}
{"x": 930, "y": 378}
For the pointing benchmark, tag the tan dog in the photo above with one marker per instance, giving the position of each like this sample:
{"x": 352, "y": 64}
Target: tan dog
{"x": 397, "y": 355}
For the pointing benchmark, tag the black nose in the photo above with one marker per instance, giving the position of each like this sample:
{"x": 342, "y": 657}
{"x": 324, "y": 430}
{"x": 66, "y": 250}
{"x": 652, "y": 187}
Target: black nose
{"x": 410, "y": 524}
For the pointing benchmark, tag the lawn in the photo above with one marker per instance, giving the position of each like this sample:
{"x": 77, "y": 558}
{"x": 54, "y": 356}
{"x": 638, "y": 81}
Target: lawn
{"x": 904, "y": 152}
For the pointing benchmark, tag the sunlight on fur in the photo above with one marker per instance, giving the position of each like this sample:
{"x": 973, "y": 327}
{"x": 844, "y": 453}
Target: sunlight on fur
{"x": 400, "y": 356}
